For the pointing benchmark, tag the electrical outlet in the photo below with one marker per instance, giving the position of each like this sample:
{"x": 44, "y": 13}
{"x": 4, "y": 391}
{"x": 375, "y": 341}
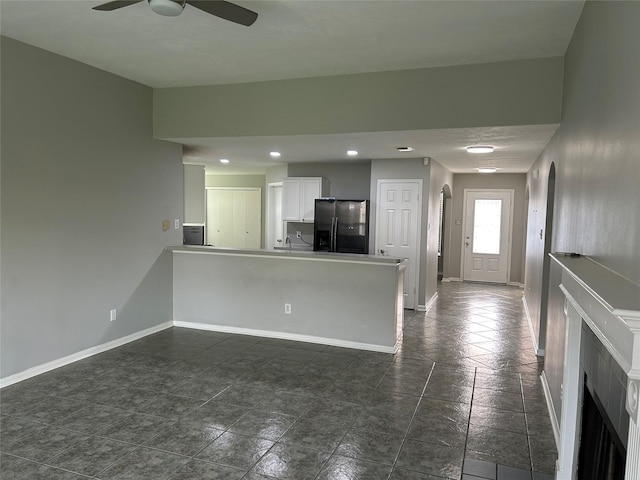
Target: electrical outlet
{"x": 113, "y": 314}
{"x": 176, "y": 223}
{"x": 298, "y": 234}
{"x": 287, "y": 308}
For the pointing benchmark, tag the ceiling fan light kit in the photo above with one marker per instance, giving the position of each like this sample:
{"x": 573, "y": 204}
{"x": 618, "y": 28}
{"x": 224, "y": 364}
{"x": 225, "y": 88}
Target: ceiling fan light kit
{"x": 168, "y": 8}
{"x": 172, "y": 8}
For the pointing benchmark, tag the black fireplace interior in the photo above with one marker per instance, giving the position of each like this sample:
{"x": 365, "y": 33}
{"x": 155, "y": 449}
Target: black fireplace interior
{"x": 601, "y": 455}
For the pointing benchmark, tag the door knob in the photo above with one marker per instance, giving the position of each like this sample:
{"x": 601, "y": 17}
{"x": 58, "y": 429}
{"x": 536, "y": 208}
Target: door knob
{"x": 466, "y": 243}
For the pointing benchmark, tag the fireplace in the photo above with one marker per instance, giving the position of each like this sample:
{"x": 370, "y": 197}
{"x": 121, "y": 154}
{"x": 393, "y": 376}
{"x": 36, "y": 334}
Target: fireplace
{"x": 601, "y": 309}
{"x": 602, "y": 454}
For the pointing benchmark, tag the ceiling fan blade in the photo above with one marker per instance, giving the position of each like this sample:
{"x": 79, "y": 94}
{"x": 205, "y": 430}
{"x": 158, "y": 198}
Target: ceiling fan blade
{"x": 107, "y": 7}
{"x": 226, "y": 10}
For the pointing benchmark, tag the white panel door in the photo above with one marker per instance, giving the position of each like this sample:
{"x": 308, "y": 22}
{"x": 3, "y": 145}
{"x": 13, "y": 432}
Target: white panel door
{"x": 219, "y": 217}
{"x": 397, "y": 229}
{"x": 486, "y": 245}
{"x": 253, "y": 218}
{"x": 234, "y": 217}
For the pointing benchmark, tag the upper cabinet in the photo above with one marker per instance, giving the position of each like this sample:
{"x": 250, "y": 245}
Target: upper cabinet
{"x": 194, "y": 194}
{"x": 298, "y": 197}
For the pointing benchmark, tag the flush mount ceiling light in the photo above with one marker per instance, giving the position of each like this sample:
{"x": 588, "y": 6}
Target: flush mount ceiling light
{"x": 352, "y": 153}
{"x": 480, "y": 149}
{"x": 406, "y": 149}
{"x": 487, "y": 170}
{"x": 224, "y": 160}
{"x": 275, "y": 154}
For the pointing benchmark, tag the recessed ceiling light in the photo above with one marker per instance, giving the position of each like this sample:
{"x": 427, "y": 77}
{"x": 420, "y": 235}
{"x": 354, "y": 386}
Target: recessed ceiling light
{"x": 487, "y": 170}
{"x": 406, "y": 149}
{"x": 275, "y": 154}
{"x": 352, "y": 153}
{"x": 480, "y": 149}
{"x": 224, "y": 160}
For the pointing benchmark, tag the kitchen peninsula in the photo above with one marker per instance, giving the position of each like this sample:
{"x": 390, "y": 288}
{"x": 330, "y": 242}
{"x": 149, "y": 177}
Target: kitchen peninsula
{"x": 344, "y": 300}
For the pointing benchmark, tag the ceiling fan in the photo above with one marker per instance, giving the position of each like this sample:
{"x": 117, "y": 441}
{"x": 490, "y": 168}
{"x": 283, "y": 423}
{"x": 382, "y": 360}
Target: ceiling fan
{"x": 171, "y": 8}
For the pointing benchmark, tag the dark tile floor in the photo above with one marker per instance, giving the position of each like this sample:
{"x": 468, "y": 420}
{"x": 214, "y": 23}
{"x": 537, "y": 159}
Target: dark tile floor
{"x": 461, "y": 399}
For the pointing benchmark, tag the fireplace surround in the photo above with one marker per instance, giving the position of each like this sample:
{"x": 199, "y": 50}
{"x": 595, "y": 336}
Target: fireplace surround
{"x": 608, "y": 305}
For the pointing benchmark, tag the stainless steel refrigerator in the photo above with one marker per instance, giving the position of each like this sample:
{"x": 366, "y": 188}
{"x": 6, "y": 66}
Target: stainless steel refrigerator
{"x": 341, "y": 226}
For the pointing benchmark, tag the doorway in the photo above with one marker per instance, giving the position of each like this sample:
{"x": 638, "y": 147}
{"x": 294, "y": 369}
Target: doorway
{"x": 546, "y": 260}
{"x": 397, "y": 235}
{"x": 275, "y": 225}
{"x": 486, "y": 246}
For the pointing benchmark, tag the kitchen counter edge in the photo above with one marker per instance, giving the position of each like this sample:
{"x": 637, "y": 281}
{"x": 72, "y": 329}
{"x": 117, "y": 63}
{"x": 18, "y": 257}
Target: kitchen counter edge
{"x": 293, "y": 254}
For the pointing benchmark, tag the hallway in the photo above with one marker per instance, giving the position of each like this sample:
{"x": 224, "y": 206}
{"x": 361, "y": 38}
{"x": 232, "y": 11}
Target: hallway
{"x": 461, "y": 399}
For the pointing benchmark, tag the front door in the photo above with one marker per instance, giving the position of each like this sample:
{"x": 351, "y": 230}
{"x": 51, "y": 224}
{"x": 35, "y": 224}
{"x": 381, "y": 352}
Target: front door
{"x": 397, "y": 229}
{"x": 486, "y": 245}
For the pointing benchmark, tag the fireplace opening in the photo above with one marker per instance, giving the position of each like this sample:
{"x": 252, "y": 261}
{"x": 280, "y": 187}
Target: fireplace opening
{"x": 602, "y": 455}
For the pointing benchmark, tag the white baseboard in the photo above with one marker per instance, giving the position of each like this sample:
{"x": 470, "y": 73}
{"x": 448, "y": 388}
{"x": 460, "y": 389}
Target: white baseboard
{"x": 451, "y": 279}
{"x": 431, "y": 302}
{"x": 287, "y": 336}
{"x": 74, "y": 357}
{"x": 516, "y": 284}
{"x": 555, "y": 426}
{"x": 534, "y": 339}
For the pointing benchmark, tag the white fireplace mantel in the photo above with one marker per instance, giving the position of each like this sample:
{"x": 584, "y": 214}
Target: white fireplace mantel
{"x": 609, "y": 304}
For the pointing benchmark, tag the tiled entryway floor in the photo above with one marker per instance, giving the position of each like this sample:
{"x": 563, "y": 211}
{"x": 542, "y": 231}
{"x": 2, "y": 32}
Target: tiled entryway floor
{"x": 461, "y": 399}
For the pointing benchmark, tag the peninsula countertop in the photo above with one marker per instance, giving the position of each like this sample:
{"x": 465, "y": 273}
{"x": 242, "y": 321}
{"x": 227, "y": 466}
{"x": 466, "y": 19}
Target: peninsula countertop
{"x": 344, "y": 300}
{"x": 292, "y": 253}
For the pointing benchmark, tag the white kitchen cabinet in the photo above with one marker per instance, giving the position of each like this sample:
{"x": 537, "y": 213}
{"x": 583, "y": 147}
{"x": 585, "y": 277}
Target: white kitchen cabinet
{"x": 298, "y": 198}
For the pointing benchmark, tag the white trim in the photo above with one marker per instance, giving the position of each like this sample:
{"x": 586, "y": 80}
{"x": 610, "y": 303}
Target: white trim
{"x": 534, "y": 339}
{"x": 555, "y": 425}
{"x": 286, "y": 336}
{"x": 74, "y": 357}
{"x": 431, "y": 302}
{"x": 516, "y": 284}
{"x": 451, "y": 279}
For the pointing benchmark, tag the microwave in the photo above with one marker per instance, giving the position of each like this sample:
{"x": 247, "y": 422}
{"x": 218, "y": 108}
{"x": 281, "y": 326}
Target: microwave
{"x": 193, "y": 235}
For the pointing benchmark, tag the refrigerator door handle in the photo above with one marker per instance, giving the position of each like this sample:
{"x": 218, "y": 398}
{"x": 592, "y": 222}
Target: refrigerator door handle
{"x": 334, "y": 234}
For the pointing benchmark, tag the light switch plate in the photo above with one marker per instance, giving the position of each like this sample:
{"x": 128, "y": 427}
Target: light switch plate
{"x": 176, "y": 223}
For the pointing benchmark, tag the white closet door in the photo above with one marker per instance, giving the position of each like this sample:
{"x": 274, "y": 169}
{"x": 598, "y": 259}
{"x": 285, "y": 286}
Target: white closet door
{"x": 234, "y": 217}
{"x": 253, "y": 216}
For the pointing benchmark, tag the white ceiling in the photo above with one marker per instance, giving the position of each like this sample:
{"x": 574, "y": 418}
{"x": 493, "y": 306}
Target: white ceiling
{"x": 304, "y": 38}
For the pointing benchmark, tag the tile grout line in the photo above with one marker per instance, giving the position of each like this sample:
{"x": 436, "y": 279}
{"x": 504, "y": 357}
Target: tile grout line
{"x": 415, "y": 411}
{"x": 466, "y": 438}
{"x": 526, "y": 423}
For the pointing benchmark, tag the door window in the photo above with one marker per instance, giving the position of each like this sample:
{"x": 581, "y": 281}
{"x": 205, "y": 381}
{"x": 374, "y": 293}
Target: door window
{"x": 487, "y": 214}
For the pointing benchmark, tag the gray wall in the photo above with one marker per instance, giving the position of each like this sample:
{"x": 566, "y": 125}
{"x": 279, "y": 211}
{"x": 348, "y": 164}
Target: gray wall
{"x": 194, "y": 194}
{"x": 345, "y": 180}
{"x": 85, "y": 189}
{"x": 523, "y": 92}
{"x": 596, "y": 152}
{"x": 403, "y": 168}
{"x": 515, "y": 181}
